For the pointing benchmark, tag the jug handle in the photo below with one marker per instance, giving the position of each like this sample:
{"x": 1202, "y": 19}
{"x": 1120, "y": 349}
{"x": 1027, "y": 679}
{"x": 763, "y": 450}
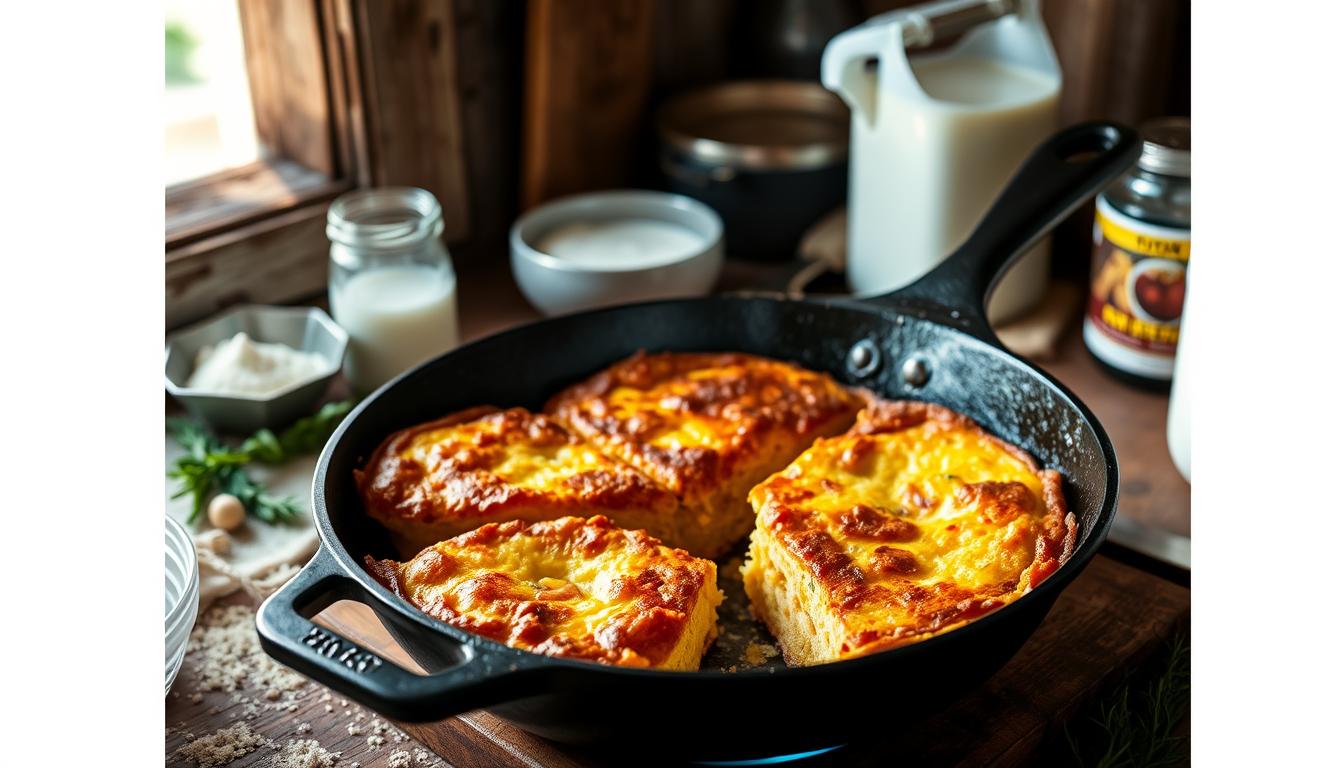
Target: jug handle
{"x": 845, "y": 70}
{"x": 886, "y": 38}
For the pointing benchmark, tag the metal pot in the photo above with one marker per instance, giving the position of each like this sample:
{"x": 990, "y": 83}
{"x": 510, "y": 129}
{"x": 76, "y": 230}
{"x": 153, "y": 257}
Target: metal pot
{"x": 770, "y": 156}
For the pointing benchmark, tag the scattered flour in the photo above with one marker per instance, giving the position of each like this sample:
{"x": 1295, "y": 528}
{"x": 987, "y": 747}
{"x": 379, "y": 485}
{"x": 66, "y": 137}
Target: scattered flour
{"x": 228, "y": 656}
{"x": 304, "y": 753}
{"x": 222, "y": 746}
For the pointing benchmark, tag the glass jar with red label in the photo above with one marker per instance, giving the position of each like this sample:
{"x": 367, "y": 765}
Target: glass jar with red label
{"x": 1141, "y": 251}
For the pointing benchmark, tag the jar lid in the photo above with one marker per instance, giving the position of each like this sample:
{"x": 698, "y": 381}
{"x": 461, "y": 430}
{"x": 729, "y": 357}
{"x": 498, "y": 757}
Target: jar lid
{"x": 1166, "y": 146}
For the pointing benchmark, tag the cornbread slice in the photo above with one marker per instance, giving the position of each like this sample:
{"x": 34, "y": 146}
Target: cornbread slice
{"x": 706, "y": 427}
{"x": 914, "y": 522}
{"x": 437, "y": 480}
{"x": 581, "y": 589}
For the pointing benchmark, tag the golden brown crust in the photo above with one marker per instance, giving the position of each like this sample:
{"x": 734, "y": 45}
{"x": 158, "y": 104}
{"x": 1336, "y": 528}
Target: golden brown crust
{"x": 581, "y": 589}
{"x": 484, "y": 463}
{"x": 913, "y": 522}
{"x": 693, "y": 420}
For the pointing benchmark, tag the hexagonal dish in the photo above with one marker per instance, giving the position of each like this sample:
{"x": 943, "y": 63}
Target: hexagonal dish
{"x": 304, "y": 328}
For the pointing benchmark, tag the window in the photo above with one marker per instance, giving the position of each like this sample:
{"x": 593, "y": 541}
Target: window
{"x": 207, "y": 107}
{"x": 275, "y": 108}
{"x": 252, "y": 125}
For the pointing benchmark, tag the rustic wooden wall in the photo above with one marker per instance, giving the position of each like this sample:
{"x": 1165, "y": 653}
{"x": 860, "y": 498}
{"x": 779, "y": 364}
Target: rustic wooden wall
{"x": 588, "y": 72}
{"x": 439, "y": 104}
{"x": 595, "y": 73}
{"x": 490, "y": 66}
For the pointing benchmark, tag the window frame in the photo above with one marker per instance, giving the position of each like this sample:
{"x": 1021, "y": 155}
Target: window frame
{"x": 347, "y": 94}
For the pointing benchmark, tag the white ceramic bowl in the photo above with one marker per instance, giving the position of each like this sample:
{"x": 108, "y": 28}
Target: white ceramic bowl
{"x": 182, "y": 592}
{"x": 557, "y": 286}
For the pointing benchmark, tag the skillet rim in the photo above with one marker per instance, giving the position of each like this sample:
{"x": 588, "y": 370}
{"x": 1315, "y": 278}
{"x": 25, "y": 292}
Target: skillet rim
{"x": 888, "y": 308}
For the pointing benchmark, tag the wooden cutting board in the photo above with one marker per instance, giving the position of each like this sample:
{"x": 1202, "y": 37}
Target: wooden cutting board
{"x": 1111, "y": 620}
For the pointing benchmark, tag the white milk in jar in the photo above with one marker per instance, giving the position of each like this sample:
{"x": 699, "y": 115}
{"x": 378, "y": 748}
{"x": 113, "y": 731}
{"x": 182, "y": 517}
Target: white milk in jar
{"x": 392, "y": 286}
{"x": 397, "y": 317}
{"x": 934, "y": 139}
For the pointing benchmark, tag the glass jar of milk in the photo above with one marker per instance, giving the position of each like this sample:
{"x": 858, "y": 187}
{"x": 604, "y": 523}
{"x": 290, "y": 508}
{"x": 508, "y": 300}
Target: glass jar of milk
{"x": 392, "y": 286}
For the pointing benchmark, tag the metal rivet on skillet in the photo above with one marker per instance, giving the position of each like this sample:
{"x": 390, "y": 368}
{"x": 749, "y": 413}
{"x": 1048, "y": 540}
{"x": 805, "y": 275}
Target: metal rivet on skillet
{"x": 864, "y": 358}
{"x": 915, "y": 372}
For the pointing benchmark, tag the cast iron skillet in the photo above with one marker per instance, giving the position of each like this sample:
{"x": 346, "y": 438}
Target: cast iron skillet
{"x": 929, "y": 341}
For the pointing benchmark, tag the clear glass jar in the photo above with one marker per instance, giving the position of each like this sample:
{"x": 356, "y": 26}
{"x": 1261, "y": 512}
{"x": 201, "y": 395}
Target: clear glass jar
{"x": 392, "y": 286}
{"x": 1141, "y": 251}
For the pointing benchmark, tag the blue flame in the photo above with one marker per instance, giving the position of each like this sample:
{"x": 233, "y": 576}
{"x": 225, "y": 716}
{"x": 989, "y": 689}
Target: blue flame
{"x": 776, "y": 760}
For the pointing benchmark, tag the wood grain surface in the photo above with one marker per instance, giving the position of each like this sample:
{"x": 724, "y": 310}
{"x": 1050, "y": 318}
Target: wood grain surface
{"x": 289, "y": 81}
{"x": 336, "y": 723}
{"x": 588, "y": 71}
{"x": 408, "y": 60}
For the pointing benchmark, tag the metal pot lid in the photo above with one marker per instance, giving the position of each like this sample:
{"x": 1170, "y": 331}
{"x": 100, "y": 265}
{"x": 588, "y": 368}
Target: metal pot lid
{"x": 774, "y": 125}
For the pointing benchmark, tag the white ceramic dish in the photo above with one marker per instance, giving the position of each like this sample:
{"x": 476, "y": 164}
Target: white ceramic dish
{"x": 305, "y": 328}
{"x": 182, "y": 592}
{"x": 558, "y": 286}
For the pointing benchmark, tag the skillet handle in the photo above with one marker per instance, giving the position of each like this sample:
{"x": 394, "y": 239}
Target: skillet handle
{"x": 1060, "y": 175}
{"x": 481, "y": 677}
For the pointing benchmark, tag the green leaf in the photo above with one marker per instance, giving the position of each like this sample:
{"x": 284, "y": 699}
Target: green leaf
{"x": 307, "y": 435}
{"x": 264, "y": 446}
{"x": 210, "y": 466}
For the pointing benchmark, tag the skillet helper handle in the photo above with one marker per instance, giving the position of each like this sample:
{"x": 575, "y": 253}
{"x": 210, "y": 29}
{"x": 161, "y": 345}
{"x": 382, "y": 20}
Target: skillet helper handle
{"x": 482, "y": 678}
{"x": 1066, "y": 171}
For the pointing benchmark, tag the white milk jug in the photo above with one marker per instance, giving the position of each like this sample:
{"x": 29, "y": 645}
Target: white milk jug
{"x": 935, "y": 137}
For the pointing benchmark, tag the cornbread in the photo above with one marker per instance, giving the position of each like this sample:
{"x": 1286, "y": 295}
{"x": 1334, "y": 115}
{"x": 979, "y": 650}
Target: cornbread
{"x": 573, "y": 588}
{"x": 706, "y": 427}
{"x": 914, "y": 522}
{"x": 482, "y": 465}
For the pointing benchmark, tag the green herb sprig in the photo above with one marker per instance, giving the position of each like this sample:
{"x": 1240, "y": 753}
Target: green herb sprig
{"x": 210, "y": 466}
{"x": 1138, "y": 724}
{"x": 307, "y": 435}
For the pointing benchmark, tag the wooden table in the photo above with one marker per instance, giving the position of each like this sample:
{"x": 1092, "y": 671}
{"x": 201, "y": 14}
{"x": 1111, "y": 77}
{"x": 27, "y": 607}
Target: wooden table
{"x": 1112, "y": 619}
